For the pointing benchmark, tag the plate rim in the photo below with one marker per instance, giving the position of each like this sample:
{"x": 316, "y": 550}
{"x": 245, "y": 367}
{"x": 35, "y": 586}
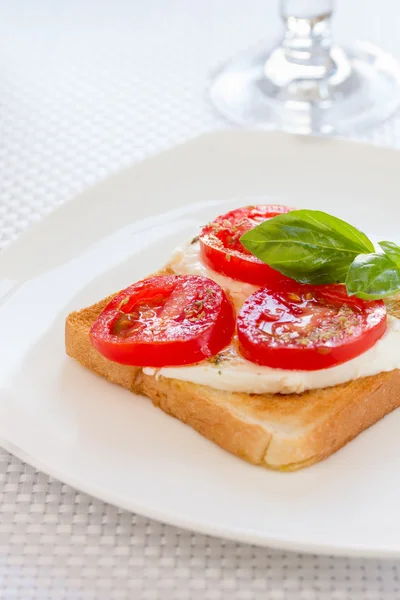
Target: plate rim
{"x": 301, "y": 140}
{"x": 277, "y": 543}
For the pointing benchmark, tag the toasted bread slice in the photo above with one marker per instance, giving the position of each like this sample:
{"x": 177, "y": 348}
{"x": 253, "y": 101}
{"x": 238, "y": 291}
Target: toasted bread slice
{"x": 284, "y": 432}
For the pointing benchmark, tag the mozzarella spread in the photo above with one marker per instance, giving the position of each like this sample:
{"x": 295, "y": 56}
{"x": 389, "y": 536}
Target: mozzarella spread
{"x": 232, "y": 373}
{"x": 186, "y": 261}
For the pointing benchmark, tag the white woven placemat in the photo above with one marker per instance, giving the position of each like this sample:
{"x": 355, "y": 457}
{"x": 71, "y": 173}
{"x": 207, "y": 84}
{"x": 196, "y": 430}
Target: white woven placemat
{"x": 87, "y": 87}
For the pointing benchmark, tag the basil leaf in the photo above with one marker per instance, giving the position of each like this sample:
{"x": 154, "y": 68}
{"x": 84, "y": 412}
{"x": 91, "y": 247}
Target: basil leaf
{"x": 391, "y": 250}
{"x": 373, "y": 276}
{"x": 309, "y": 246}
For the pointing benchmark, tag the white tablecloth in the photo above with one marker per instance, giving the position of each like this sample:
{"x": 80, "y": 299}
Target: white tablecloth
{"x": 87, "y": 87}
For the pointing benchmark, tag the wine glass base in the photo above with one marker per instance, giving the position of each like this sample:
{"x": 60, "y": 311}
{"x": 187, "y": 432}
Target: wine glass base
{"x": 362, "y": 90}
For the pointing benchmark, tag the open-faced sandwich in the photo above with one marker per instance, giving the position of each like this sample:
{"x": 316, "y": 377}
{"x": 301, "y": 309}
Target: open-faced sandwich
{"x": 274, "y": 333}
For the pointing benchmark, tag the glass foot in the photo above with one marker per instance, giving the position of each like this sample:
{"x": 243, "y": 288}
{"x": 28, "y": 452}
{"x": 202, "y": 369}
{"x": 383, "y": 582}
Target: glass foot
{"x": 357, "y": 89}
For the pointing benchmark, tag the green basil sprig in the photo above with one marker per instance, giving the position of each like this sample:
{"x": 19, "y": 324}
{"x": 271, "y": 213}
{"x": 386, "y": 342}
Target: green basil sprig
{"x": 314, "y": 247}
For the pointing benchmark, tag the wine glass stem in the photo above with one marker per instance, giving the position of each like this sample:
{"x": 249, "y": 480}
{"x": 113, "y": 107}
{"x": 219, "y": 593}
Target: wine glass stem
{"x": 307, "y": 40}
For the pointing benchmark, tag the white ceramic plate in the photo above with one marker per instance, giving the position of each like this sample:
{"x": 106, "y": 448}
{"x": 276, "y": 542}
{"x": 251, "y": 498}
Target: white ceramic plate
{"x": 107, "y": 442}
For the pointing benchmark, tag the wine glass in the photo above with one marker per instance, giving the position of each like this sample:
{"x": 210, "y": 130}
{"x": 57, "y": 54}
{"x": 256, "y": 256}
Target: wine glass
{"x": 306, "y": 84}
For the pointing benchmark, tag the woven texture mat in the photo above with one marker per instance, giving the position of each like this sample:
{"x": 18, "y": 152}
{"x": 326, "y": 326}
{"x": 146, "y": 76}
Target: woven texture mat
{"x": 87, "y": 87}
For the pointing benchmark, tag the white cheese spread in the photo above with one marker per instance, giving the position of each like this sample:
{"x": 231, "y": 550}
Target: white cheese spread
{"x": 186, "y": 261}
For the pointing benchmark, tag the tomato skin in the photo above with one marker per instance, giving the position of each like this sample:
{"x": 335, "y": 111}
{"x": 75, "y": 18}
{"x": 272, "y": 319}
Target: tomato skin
{"x": 221, "y": 250}
{"x": 171, "y": 320}
{"x": 304, "y": 327}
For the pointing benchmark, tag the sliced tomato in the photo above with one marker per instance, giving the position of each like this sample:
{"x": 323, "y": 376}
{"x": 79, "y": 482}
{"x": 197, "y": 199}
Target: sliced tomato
{"x": 222, "y": 251}
{"x": 307, "y": 327}
{"x": 164, "y": 321}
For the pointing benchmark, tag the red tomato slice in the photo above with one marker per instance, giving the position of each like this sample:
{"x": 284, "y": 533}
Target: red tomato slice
{"x": 164, "y": 321}
{"x": 307, "y": 327}
{"x": 221, "y": 250}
